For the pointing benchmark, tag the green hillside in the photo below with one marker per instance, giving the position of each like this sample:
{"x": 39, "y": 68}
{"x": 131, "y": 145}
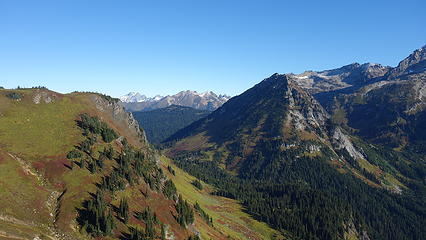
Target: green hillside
{"x": 77, "y": 166}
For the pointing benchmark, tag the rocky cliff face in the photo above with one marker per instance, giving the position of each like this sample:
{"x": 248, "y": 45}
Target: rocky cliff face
{"x": 342, "y": 142}
{"x": 120, "y": 115}
{"x": 304, "y": 111}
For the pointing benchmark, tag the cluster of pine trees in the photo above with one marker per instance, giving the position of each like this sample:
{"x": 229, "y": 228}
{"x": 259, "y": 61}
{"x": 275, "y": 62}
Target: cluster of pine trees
{"x": 169, "y": 189}
{"x": 203, "y": 214}
{"x": 14, "y": 96}
{"x": 150, "y": 220}
{"x": 196, "y": 183}
{"x": 185, "y": 213}
{"x": 171, "y": 170}
{"x": 131, "y": 168}
{"x": 97, "y": 218}
{"x": 94, "y": 125}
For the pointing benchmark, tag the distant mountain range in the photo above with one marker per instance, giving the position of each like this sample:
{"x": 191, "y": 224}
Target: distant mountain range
{"x": 202, "y": 101}
{"x": 134, "y": 97}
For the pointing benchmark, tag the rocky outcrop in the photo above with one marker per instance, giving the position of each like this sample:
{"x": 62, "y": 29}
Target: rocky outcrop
{"x": 341, "y": 141}
{"x": 45, "y": 96}
{"x": 351, "y": 232}
{"x": 120, "y": 115}
{"x": 419, "y": 92}
{"x": 304, "y": 112}
{"x": 304, "y": 105}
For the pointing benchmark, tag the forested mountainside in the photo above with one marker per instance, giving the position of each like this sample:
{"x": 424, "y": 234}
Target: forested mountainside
{"x": 351, "y": 167}
{"x": 160, "y": 124}
{"x": 77, "y": 166}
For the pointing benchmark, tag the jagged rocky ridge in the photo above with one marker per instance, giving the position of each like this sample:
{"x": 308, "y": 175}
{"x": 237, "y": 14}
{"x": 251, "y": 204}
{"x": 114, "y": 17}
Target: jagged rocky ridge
{"x": 355, "y": 75}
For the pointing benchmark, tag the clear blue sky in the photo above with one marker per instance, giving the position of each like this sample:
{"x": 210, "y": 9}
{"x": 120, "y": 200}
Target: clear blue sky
{"x": 161, "y": 47}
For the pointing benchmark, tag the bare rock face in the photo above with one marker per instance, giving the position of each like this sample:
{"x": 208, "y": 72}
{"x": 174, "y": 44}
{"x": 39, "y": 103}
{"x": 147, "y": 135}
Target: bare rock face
{"x": 120, "y": 115}
{"x": 352, "y": 232}
{"x": 304, "y": 113}
{"x": 342, "y": 141}
{"x": 419, "y": 90}
{"x": 44, "y": 96}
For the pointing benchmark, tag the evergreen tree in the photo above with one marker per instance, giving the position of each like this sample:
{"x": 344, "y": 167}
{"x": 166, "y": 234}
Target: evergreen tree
{"x": 197, "y": 184}
{"x": 123, "y": 211}
{"x": 185, "y": 212}
{"x": 110, "y": 225}
{"x": 169, "y": 189}
{"x": 163, "y": 231}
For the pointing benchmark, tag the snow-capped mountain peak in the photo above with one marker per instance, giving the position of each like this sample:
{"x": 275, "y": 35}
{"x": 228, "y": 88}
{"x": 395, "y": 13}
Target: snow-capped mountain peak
{"x": 133, "y": 97}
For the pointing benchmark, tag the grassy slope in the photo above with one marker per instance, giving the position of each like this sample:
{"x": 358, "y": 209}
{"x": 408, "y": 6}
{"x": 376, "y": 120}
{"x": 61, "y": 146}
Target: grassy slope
{"x": 34, "y": 139}
{"x": 39, "y": 135}
{"x": 22, "y": 201}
